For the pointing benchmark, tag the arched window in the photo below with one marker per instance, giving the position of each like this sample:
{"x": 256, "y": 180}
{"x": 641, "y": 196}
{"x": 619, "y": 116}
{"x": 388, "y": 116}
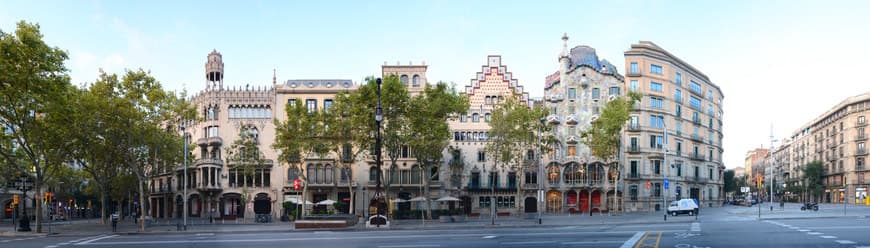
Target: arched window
{"x": 311, "y": 173}
{"x": 328, "y": 173}
{"x": 487, "y": 117}
{"x": 415, "y": 80}
{"x": 575, "y": 174}
{"x": 404, "y": 80}
{"x": 475, "y": 117}
{"x": 320, "y": 174}
{"x": 373, "y": 174}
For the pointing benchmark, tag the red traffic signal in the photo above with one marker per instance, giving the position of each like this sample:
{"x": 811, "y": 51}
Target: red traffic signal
{"x": 648, "y": 185}
{"x": 297, "y": 184}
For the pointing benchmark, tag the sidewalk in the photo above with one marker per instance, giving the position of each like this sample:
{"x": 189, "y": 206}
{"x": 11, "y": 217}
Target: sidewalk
{"x": 793, "y": 211}
{"x": 94, "y": 227}
{"x": 548, "y": 220}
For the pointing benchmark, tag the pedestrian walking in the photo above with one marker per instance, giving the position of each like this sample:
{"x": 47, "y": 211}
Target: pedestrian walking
{"x": 114, "y": 222}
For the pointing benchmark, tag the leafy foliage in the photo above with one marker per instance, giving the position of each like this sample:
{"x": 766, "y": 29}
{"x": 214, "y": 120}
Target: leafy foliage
{"x": 812, "y": 176}
{"x": 602, "y": 137}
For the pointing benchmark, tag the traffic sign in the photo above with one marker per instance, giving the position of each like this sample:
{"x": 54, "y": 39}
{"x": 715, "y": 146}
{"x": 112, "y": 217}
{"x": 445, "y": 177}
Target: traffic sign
{"x": 648, "y": 185}
{"x": 744, "y": 189}
{"x": 666, "y": 183}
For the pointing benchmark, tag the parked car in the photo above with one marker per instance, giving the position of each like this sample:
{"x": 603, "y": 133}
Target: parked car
{"x": 684, "y": 206}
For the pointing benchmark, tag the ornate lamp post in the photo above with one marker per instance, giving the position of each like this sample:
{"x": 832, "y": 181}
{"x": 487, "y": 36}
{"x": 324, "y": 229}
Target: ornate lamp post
{"x": 184, "y": 185}
{"x": 378, "y": 200}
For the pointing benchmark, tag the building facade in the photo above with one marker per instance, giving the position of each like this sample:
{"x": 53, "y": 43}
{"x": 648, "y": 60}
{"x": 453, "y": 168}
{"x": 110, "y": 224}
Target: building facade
{"x": 482, "y": 184}
{"x": 576, "y": 181}
{"x": 680, "y": 103}
{"x": 837, "y": 139}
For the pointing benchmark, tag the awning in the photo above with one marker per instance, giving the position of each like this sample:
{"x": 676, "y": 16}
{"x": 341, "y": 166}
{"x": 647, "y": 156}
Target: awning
{"x": 326, "y": 202}
{"x": 448, "y": 198}
{"x": 296, "y": 201}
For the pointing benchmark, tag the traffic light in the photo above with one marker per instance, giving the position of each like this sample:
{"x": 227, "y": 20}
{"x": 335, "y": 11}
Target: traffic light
{"x": 14, "y": 199}
{"x": 48, "y": 196}
{"x": 297, "y": 184}
{"x": 759, "y": 181}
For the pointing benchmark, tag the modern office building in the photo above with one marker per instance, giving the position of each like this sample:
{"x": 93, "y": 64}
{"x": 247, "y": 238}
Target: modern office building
{"x": 576, "y": 181}
{"x": 682, "y": 104}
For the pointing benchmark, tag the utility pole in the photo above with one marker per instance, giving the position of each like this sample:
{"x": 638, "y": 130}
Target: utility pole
{"x": 772, "y": 162}
{"x": 541, "y": 172}
{"x": 184, "y": 187}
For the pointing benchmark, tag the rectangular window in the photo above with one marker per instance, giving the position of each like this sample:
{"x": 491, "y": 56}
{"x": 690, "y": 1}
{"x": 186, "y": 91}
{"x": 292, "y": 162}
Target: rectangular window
{"x": 678, "y": 95}
{"x": 481, "y": 156}
{"x": 655, "y": 102}
{"x": 679, "y": 168}
{"x": 291, "y": 101}
{"x": 572, "y": 93}
{"x": 633, "y": 171}
{"x": 633, "y": 69}
{"x": 710, "y": 95}
{"x": 654, "y": 86}
{"x": 632, "y": 192}
{"x": 694, "y": 87}
{"x": 311, "y": 105}
{"x": 656, "y": 121}
{"x": 327, "y": 104}
{"x": 614, "y": 91}
{"x": 679, "y": 148}
{"x": 694, "y": 102}
{"x": 657, "y": 190}
{"x": 710, "y": 171}
{"x": 632, "y": 85}
{"x": 655, "y": 69}
{"x": 655, "y": 141}
{"x": 679, "y": 110}
{"x": 595, "y": 93}
{"x": 656, "y": 167}
{"x": 678, "y": 78}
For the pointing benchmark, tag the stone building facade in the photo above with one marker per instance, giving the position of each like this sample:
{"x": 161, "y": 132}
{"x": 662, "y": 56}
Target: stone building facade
{"x": 575, "y": 181}
{"x": 838, "y": 139}
{"x": 681, "y": 100}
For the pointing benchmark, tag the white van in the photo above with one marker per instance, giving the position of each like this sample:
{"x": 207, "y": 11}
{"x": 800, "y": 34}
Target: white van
{"x": 684, "y": 206}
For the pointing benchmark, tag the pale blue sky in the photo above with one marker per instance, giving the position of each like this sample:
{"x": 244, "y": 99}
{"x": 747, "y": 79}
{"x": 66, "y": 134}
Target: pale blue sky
{"x": 767, "y": 56}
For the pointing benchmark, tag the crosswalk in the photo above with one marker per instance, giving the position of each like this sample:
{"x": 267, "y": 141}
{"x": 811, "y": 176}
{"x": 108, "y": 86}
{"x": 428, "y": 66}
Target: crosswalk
{"x": 810, "y": 232}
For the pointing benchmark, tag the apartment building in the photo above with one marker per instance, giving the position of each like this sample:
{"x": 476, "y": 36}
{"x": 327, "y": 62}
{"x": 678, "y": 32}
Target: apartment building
{"x": 680, "y": 103}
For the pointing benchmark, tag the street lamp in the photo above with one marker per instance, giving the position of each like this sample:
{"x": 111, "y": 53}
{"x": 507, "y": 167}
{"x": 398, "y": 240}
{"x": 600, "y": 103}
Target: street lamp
{"x": 541, "y": 171}
{"x": 184, "y": 185}
{"x": 379, "y": 117}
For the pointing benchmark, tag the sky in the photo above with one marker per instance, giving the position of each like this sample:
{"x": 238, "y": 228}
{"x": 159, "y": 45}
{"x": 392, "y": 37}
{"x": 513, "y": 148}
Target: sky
{"x": 778, "y": 63}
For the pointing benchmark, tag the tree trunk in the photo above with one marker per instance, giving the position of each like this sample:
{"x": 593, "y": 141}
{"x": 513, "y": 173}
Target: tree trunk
{"x": 120, "y": 206}
{"x": 143, "y": 207}
{"x": 38, "y": 196}
{"x": 104, "y": 196}
{"x": 426, "y": 180}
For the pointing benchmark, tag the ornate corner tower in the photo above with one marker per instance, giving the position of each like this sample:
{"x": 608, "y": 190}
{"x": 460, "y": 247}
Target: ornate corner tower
{"x": 214, "y": 71}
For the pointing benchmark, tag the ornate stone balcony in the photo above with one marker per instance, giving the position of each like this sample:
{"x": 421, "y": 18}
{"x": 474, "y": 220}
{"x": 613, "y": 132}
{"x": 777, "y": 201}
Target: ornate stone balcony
{"x": 553, "y": 119}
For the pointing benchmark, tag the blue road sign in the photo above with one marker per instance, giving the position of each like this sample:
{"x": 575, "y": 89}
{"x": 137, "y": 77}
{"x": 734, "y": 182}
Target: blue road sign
{"x": 666, "y": 183}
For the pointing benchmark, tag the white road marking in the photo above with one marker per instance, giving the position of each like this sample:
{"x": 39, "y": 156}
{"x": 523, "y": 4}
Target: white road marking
{"x": 696, "y": 227}
{"x": 630, "y": 242}
{"x": 528, "y": 243}
{"x": 404, "y": 246}
{"x": 814, "y": 233}
{"x": 95, "y": 239}
{"x": 64, "y": 243}
{"x": 489, "y": 237}
{"x": 845, "y": 242}
{"x": 51, "y": 246}
{"x": 4, "y": 241}
{"x": 803, "y": 230}
{"x": 211, "y": 234}
{"x": 829, "y": 237}
{"x": 592, "y": 242}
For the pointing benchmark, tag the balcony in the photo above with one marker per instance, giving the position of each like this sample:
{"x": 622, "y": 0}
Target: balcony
{"x": 632, "y": 149}
{"x": 696, "y": 137}
{"x": 208, "y": 187}
{"x": 860, "y": 137}
{"x": 572, "y": 139}
{"x": 696, "y": 120}
{"x": 861, "y": 124}
{"x": 697, "y": 156}
{"x": 860, "y": 152}
{"x": 553, "y": 119}
{"x": 555, "y": 98}
{"x": 571, "y": 119}
{"x": 215, "y": 141}
{"x": 209, "y": 161}
{"x": 633, "y": 127}
{"x": 202, "y": 141}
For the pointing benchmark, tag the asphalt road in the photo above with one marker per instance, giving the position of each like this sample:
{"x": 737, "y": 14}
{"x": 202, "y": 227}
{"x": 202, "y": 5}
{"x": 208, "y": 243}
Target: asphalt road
{"x": 721, "y": 228}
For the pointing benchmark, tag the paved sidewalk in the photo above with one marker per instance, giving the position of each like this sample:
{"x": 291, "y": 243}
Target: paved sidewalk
{"x": 793, "y": 211}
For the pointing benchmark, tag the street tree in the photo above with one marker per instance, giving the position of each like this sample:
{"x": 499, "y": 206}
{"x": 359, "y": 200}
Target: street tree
{"x": 814, "y": 186}
{"x": 604, "y": 134}
{"x": 245, "y": 157}
{"x": 513, "y": 128}
{"x": 395, "y": 101}
{"x": 299, "y": 138}
{"x": 34, "y": 88}
{"x": 347, "y": 137}
{"x": 429, "y": 130}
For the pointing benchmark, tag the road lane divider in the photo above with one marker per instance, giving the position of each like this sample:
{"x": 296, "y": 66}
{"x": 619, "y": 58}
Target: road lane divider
{"x": 633, "y": 240}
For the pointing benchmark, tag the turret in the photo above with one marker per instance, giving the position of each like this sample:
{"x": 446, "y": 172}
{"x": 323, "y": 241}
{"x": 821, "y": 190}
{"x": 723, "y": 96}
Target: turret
{"x": 214, "y": 71}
